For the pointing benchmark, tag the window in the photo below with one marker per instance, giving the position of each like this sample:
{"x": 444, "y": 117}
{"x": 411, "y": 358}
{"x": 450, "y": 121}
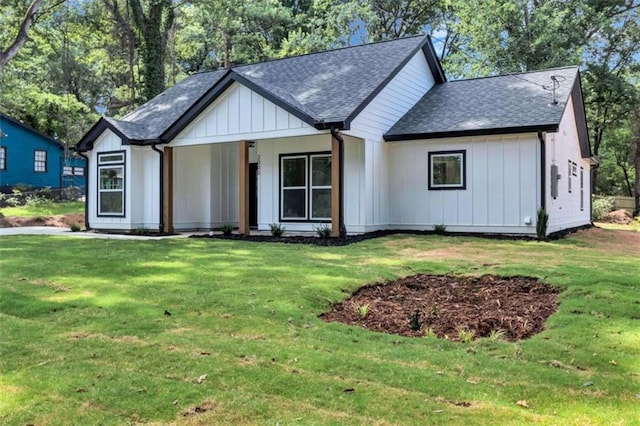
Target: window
{"x": 3, "y": 158}
{"x": 78, "y": 171}
{"x": 447, "y": 170}
{"x": 40, "y": 161}
{"x": 67, "y": 170}
{"x": 581, "y": 188}
{"x": 111, "y": 184}
{"x": 305, "y": 187}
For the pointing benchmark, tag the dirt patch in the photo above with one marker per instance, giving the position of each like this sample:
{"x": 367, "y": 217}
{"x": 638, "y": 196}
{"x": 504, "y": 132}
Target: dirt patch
{"x": 617, "y": 242}
{"x": 198, "y": 409}
{"x": 450, "y": 307}
{"x": 621, "y": 217}
{"x": 59, "y": 220}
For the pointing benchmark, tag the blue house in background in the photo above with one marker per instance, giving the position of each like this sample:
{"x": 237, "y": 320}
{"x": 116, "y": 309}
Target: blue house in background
{"x": 29, "y": 157}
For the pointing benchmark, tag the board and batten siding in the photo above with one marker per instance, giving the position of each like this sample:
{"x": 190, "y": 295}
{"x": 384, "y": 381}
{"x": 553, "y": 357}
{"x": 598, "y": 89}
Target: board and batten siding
{"x": 241, "y": 114}
{"x": 562, "y": 147}
{"x": 205, "y": 186}
{"x": 502, "y": 185}
{"x": 394, "y": 101}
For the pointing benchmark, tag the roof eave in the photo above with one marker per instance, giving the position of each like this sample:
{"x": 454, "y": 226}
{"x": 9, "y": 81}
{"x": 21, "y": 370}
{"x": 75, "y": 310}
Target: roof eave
{"x": 86, "y": 143}
{"x": 553, "y": 127}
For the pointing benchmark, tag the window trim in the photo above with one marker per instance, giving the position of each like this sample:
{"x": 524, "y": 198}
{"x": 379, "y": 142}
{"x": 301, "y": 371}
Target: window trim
{"x": 308, "y": 188}
{"x": 110, "y": 164}
{"x": 3, "y": 158}
{"x": 75, "y": 171}
{"x": 36, "y": 161}
{"x": 463, "y": 171}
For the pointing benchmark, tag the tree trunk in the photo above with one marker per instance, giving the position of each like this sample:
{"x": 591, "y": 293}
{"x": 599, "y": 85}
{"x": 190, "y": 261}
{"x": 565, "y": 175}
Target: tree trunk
{"x": 22, "y": 36}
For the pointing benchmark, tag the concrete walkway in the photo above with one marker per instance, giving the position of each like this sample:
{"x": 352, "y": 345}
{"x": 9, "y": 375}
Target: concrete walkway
{"x": 51, "y": 230}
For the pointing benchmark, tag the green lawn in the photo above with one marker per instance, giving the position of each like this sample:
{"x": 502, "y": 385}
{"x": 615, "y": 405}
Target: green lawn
{"x": 45, "y": 209}
{"x": 84, "y": 339}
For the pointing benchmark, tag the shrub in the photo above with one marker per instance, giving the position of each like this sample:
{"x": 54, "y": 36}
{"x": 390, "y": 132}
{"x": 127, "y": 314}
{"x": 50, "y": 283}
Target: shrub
{"x": 541, "y": 223}
{"x": 226, "y": 229}
{"x": 142, "y": 230}
{"x": 75, "y": 227}
{"x": 362, "y": 310}
{"x": 440, "y": 229}
{"x": 602, "y": 206}
{"x": 276, "y": 229}
{"x": 323, "y": 231}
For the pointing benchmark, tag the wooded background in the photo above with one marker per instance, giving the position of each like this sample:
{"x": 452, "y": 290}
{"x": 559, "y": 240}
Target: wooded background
{"x": 63, "y": 63}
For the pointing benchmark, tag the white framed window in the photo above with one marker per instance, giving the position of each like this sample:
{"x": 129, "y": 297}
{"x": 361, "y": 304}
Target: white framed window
{"x": 3, "y": 158}
{"x": 305, "y": 187}
{"x": 40, "y": 161}
{"x": 111, "y": 184}
{"x": 67, "y": 171}
{"x": 447, "y": 170}
{"x": 78, "y": 171}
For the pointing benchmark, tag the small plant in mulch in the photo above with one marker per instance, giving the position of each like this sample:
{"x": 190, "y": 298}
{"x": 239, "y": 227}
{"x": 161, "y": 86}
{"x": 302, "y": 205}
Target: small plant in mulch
{"x": 141, "y": 230}
{"x": 452, "y": 307}
{"x": 75, "y": 227}
{"x": 542, "y": 221}
{"x": 276, "y": 229}
{"x": 363, "y": 310}
{"x": 323, "y": 231}
{"x": 226, "y": 229}
{"x": 440, "y": 228}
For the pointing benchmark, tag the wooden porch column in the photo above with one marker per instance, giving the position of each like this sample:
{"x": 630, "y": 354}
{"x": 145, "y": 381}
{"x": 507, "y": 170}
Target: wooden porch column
{"x": 167, "y": 190}
{"x": 244, "y": 188}
{"x": 335, "y": 187}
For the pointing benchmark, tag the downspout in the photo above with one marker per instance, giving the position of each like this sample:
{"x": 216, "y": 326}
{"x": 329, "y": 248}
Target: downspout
{"x": 161, "y": 209}
{"x": 543, "y": 167}
{"x": 86, "y": 190}
{"x": 341, "y": 225}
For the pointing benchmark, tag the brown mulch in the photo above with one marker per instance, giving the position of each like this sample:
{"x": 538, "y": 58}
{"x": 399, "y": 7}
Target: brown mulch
{"x": 620, "y": 217}
{"x": 59, "y": 220}
{"x": 444, "y": 305}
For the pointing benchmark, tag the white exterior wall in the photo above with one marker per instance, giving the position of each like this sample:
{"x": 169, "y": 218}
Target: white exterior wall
{"x": 395, "y": 100}
{"x": 241, "y": 114}
{"x": 562, "y": 146}
{"x": 205, "y": 186}
{"x": 502, "y": 191}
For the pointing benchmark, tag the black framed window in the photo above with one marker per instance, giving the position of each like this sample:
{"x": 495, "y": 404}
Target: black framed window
{"x": 447, "y": 170}
{"x": 305, "y": 187}
{"x": 40, "y": 161}
{"x": 3, "y": 158}
{"x": 111, "y": 184}
{"x": 67, "y": 170}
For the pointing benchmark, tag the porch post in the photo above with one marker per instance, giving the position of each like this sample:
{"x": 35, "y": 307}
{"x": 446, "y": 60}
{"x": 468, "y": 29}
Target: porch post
{"x": 243, "y": 223}
{"x": 335, "y": 187}
{"x": 167, "y": 183}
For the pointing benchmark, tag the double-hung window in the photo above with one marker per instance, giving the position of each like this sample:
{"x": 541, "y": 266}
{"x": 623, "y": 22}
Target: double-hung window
{"x": 40, "y": 161}
{"x": 447, "y": 170}
{"x": 111, "y": 183}
{"x": 305, "y": 190}
{"x": 3, "y": 158}
{"x": 78, "y": 171}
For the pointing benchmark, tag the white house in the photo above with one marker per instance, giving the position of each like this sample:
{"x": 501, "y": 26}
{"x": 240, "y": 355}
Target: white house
{"x": 362, "y": 138}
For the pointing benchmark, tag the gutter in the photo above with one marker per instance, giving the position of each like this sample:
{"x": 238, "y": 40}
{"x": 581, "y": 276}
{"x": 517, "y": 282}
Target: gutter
{"x": 160, "y": 210}
{"x": 86, "y": 189}
{"x": 341, "y": 226}
{"x": 543, "y": 167}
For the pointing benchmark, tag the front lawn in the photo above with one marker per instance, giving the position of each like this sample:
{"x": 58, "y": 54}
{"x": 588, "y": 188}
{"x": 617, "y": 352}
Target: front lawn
{"x": 198, "y": 331}
{"x": 44, "y": 209}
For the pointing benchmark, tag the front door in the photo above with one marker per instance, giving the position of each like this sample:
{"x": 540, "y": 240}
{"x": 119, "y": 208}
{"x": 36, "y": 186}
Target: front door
{"x": 253, "y": 195}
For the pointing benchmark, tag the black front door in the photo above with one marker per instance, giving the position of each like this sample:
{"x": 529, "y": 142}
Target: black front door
{"x": 253, "y": 194}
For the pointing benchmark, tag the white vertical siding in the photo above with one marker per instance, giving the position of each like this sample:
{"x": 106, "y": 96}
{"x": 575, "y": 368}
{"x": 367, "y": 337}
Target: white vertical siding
{"x": 562, "y": 146}
{"x": 400, "y": 94}
{"x": 503, "y": 182}
{"x": 145, "y": 188}
{"x": 241, "y": 114}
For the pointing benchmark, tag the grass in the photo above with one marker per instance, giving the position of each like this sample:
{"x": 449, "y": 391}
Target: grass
{"x": 84, "y": 337}
{"x": 44, "y": 210}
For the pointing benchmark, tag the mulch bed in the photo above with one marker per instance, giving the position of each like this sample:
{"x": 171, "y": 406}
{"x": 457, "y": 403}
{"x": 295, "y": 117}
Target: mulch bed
{"x": 446, "y": 305}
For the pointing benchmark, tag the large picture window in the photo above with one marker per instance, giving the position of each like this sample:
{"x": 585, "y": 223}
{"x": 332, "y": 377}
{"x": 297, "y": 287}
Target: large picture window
{"x": 305, "y": 193}
{"x": 111, "y": 184}
{"x": 40, "y": 161}
{"x": 447, "y": 170}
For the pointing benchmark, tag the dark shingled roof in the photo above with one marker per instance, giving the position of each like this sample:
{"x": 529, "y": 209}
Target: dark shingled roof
{"x": 319, "y": 88}
{"x": 490, "y": 105}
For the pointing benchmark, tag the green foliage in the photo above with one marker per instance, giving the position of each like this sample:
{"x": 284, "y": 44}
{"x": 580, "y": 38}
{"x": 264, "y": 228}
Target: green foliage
{"x": 362, "y": 310}
{"x": 323, "y": 230}
{"x": 465, "y": 336}
{"x": 277, "y": 230}
{"x": 601, "y": 206}
{"x": 142, "y": 230}
{"x": 542, "y": 221}
{"x": 74, "y": 207}
{"x": 75, "y": 227}
{"x": 226, "y": 229}
{"x": 440, "y": 228}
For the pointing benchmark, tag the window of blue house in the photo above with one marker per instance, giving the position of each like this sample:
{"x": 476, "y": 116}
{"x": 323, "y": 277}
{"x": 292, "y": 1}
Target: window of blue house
{"x": 40, "y": 161}
{"x": 3, "y": 158}
{"x": 111, "y": 184}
